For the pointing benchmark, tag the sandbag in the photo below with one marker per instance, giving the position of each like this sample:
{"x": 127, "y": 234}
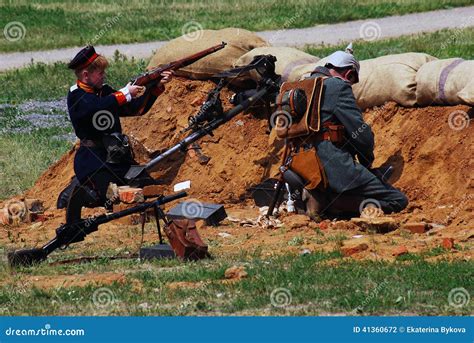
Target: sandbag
{"x": 389, "y": 78}
{"x": 303, "y": 71}
{"x": 445, "y": 82}
{"x": 287, "y": 59}
{"x": 239, "y": 42}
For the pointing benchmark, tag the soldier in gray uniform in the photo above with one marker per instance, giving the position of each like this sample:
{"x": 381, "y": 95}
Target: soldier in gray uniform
{"x": 352, "y": 182}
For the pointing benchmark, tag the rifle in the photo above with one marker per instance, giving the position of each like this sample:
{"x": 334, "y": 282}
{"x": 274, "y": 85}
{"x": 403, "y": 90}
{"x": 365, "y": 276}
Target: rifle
{"x": 153, "y": 77}
{"x": 76, "y": 232}
{"x": 211, "y": 115}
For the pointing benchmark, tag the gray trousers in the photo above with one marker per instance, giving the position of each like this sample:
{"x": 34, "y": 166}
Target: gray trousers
{"x": 350, "y": 203}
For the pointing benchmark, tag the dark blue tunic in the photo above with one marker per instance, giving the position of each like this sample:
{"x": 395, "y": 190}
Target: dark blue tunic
{"x": 94, "y": 113}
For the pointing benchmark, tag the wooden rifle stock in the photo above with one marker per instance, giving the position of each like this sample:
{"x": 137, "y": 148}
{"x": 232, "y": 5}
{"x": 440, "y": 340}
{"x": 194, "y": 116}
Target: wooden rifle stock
{"x": 154, "y": 76}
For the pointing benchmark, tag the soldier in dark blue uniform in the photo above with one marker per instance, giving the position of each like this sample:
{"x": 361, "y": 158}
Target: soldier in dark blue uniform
{"x": 95, "y": 109}
{"x": 352, "y": 182}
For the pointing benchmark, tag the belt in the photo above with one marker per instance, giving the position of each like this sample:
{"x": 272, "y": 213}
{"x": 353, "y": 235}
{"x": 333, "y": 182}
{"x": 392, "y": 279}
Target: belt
{"x": 89, "y": 143}
{"x": 321, "y": 136}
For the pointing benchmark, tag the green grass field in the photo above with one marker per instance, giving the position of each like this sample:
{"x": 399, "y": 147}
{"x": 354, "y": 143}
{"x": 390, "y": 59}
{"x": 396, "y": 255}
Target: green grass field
{"x": 75, "y": 23}
{"x": 316, "y": 284}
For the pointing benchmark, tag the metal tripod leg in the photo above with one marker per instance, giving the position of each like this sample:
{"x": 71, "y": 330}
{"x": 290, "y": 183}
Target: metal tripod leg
{"x": 158, "y": 215}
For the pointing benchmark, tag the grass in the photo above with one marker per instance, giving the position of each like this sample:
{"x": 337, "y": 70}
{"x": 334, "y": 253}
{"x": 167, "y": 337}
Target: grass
{"x": 55, "y": 24}
{"x": 40, "y": 81}
{"x": 442, "y": 44}
{"x": 24, "y": 156}
{"x": 304, "y": 285}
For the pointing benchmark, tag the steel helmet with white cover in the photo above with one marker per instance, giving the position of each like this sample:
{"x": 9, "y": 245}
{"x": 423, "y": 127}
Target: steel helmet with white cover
{"x": 344, "y": 59}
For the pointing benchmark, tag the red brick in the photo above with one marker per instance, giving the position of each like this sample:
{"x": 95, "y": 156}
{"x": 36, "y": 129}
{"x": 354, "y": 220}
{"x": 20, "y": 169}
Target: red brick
{"x": 416, "y": 227}
{"x": 131, "y": 195}
{"x": 401, "y": 250}
{"x": 448, "y": 243}
{"x": 324, "y": 225}
{"x": 348, "y": 251}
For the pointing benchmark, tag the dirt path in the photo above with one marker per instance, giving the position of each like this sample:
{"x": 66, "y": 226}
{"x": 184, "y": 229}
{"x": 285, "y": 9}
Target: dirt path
{"x": 369, "y": 29}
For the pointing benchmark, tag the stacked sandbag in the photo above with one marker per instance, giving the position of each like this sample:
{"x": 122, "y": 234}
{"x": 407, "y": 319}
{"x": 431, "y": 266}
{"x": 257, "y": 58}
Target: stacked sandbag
{"x": 389, "y": 78}
{"x": 303, "y": 71}
{"x": 288, "y": 59}
{"x": 445, "y": 82}
{"x": 239, "y": 42}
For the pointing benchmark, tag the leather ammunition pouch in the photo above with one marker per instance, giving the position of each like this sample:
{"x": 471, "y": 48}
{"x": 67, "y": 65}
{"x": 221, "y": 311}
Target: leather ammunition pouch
{"x": 185, "y": 240}
{"x": 306, "y": 163}
{"x": 118, "y": 148}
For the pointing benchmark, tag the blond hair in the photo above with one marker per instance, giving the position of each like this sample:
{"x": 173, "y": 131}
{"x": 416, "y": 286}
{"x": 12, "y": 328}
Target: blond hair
{"x": 100, "y": 63}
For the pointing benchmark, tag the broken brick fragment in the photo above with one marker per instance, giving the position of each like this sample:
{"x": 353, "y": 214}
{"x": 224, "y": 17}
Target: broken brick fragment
{"x": 401, "y": 250}
{"x": 348, "y": 251}
{"x": 447, "y": 243}
{"x": 131, "y": 195}
{"x": 420, "y": 227}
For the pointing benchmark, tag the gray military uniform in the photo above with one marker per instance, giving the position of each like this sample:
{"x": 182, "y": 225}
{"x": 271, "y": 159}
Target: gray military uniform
{"x": 345, "y": 175}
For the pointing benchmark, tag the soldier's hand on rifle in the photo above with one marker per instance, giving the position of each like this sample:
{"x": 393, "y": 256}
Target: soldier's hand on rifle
{"x": 167, "y": 76}
{"x": 135, "y": 91}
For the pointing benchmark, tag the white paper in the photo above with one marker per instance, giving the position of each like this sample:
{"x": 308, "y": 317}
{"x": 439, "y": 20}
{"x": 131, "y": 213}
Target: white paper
{"x": 182, "y": 186}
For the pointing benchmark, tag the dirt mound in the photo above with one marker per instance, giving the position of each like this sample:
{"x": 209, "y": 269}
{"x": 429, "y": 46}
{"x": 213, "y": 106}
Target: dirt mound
{"x": 433, "y": 161}
{"x": 432, "y": 156}
{"x": 431, "y": 152}
{"x": 238, "y": 151}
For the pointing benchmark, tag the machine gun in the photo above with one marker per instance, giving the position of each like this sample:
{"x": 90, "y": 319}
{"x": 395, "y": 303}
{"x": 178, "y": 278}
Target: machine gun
{"x": 153, "y": 77}
{"x": 211, "y": 115}
{"x": 76, "y": 231}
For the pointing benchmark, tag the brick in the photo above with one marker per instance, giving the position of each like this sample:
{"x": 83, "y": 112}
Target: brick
{"x": 348, "y": 251}
{"x": 401, "y": 250}
{"x": 420, "y": 227}
{"x": 324, "y": 225}
{"x": 447, "y": 243}
{"x": 130, "y": 195}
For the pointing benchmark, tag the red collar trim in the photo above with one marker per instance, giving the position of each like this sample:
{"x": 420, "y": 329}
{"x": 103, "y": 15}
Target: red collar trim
{"x": 85, "y": 87}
